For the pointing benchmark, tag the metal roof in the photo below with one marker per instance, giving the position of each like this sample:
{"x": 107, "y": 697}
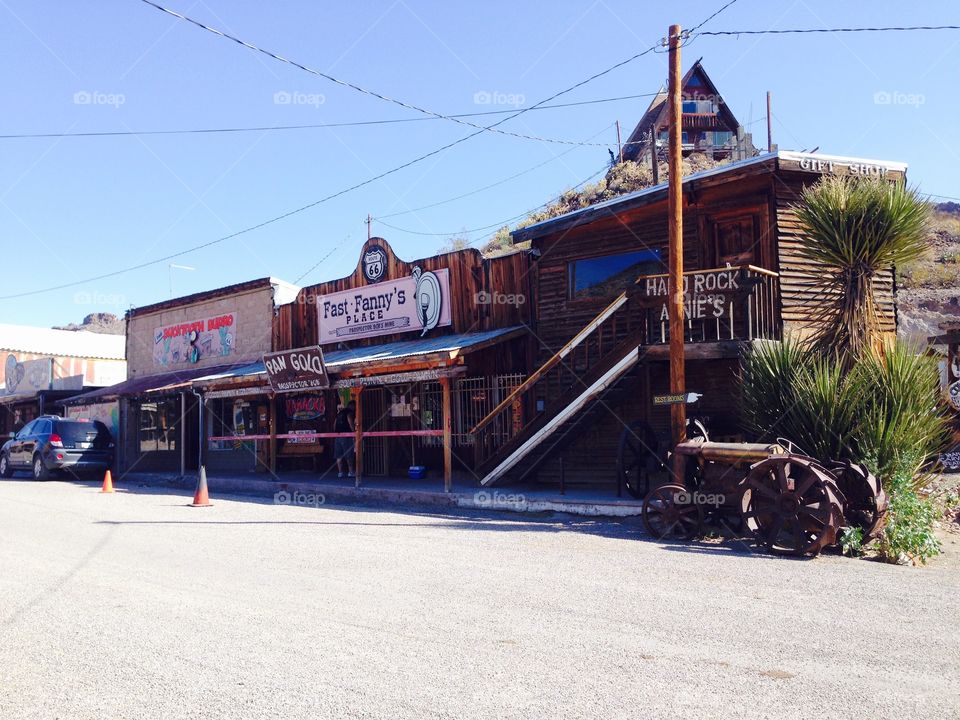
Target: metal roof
{"x": 147, "y": 383}
{"x": 61, "y": 343}
{"x": 543, "y": 226}
{"x": 341, "y": 360}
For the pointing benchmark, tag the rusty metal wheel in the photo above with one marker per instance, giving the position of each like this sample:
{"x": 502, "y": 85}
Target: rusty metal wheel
{"x": 865, "y": 503}
{"x": 791, "y": 505}
{"x": 670, "y": 513}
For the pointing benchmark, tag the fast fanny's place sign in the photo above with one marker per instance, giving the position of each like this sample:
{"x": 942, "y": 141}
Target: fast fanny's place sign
{"x": 417, "y": 303}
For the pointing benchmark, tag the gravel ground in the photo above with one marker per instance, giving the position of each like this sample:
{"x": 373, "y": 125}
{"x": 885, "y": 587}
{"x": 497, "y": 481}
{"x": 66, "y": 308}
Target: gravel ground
{"x": 133, "y": 605}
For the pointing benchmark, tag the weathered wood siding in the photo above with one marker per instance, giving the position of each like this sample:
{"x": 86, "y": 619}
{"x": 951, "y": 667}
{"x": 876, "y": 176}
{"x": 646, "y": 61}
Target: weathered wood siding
{"x": 801, "y": 281}
{"x": 470, "y": 274}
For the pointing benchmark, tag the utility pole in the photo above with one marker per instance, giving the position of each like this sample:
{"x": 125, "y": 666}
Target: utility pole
{"x": 678, "y": 411}
{"x": 369, "y": 226}
{"x": 769, "y": 125}
{"x": 619, "y": 144}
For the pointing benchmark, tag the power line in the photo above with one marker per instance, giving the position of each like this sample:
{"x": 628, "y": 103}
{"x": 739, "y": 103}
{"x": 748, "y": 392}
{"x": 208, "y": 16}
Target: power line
{"x": 265, "y": 128}
{"x": 491, "y": 185}
{"x": 373, "y": 179}
{"x": 941, "y": 197}
{"x": 358, "y": 88}
{"x": 828, "y": 30}
{"x": 331, "y": 196}
{"x": 697, "y": 27}
{"x": 496, "y": 224}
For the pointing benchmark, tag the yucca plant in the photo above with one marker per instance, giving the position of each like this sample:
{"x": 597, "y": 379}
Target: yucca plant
{"x": 791, "y": 391}
{"x": 853, "y": 229}
{"x": 902, "y": 417}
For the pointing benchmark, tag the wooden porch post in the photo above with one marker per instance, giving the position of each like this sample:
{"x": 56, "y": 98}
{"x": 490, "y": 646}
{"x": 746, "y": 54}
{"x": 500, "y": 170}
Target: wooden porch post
{"x": 447, "y": 435}
{"x": 273, "y": 434}
{"x": 358, "y": 434}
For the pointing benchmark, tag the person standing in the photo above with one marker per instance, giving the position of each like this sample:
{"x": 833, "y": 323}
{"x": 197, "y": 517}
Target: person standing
{"x": 345, "y": 448}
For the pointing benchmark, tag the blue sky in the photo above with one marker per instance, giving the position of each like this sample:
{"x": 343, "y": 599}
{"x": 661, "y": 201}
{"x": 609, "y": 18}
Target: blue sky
{"x": 73, "y": 208}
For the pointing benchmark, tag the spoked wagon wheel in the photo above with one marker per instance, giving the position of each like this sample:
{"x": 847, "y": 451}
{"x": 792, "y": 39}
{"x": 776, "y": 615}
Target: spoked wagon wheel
{"x": 670, "y": 513}
{"x": 791, "y": 505}
{"x": 865, "y": 502}
{"x": 637, "y": 458}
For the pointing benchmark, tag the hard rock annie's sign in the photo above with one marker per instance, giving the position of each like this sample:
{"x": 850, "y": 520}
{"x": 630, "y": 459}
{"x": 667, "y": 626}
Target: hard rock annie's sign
{"x": 417, "y": 303}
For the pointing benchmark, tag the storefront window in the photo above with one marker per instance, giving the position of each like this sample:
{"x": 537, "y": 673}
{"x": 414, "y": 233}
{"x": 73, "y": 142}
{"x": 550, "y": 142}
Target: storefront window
{"x": 160, "y": 425}
{"x": 230, "y": 417}
{"x": 608, "y": 275}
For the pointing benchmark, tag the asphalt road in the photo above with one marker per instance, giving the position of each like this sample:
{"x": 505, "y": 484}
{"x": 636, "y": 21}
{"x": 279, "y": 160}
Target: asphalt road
{"x": 133, "y": 605}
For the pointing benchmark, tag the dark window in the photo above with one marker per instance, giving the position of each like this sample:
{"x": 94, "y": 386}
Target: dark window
{"x": 73, "y": 432}
{"x": 608, "y": 275}
{"x": 736, "y": 240}
{"x": 690, "y": 106}
{"x": 28, "y": 428}
{"x": 42, "y": 427}
{"x": 160, "y": 425}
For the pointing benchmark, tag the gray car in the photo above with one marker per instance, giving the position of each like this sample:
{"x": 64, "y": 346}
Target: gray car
{"x": 51, "y": 443}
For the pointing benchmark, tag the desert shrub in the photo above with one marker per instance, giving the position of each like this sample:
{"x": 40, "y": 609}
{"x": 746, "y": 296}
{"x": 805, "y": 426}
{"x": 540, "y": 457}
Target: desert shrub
{"x": 884, "y": 410}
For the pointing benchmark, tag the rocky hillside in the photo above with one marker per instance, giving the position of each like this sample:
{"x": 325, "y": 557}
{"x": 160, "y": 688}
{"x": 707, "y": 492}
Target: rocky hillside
{"x": 929, "y": 291}
{"x": 105, "y": 323}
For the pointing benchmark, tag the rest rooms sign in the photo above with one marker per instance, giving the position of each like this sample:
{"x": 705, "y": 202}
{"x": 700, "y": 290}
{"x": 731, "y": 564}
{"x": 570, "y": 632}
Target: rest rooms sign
{"x": 417, "y": 303}
{"x": 296, "y": 370}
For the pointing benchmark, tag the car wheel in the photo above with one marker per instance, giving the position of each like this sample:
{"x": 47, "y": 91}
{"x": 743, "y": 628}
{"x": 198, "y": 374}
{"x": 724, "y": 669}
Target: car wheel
{"x": 40, "y": 471}
{"x": 5, "y": 469}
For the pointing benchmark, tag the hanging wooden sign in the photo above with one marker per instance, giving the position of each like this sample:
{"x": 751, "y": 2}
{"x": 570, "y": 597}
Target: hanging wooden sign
{"x": 296, "y": 370}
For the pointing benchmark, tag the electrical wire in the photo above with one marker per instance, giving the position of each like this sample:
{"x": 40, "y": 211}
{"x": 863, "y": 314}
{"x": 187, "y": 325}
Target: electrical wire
{"x": 331, "y": 196}
{"x": 496, "y": 224}
{"x": 491, "y": 185}
{"x": 266, "y": 128}
{"x": 828, "y": 30}
{"x": 363, "y": 90}
{"x": 697, "y": 27}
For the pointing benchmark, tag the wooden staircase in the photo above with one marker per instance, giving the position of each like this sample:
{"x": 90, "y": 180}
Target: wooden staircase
{"x": 589, "y": 374}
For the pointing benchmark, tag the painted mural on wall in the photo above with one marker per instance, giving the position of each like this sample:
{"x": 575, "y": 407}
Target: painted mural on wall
{"x": 108, "y": 413}
{"x": 193, "y": 341}
{"x": 416, "y": 303}
{"x": 26, "y": 377}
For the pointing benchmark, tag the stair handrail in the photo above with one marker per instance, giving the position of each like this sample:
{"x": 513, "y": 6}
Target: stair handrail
{"x": 588, "y": 330}
{"x": 584, "y": 333}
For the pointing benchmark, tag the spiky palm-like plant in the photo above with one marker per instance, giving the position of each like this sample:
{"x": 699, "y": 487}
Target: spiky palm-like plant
{"x": 855, "y": 228}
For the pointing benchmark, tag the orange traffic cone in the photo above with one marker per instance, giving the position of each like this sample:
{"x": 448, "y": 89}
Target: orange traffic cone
{"x": 201, "y": 498}
{"x": 107, "y": 482}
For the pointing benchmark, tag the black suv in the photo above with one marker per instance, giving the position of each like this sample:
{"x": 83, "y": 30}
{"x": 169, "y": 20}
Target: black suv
{"x": 54, "y": 443}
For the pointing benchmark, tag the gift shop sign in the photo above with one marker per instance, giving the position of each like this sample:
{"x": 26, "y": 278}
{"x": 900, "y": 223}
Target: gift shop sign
{"x": 417, "y": 303}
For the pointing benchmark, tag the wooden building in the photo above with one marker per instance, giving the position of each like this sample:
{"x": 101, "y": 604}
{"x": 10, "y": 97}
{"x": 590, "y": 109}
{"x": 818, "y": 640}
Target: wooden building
{"x": 426, "y": 348}
{"x": 709, "y": 125}
{"x": 601, "y": 321}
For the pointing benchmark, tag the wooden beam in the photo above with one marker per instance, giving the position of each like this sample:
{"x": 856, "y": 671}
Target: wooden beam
{"x": 553, "y": 361}
{"x": 447, "y": 435}
{"x": 273, "y": 434}
{"x": 358, "y": 434}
